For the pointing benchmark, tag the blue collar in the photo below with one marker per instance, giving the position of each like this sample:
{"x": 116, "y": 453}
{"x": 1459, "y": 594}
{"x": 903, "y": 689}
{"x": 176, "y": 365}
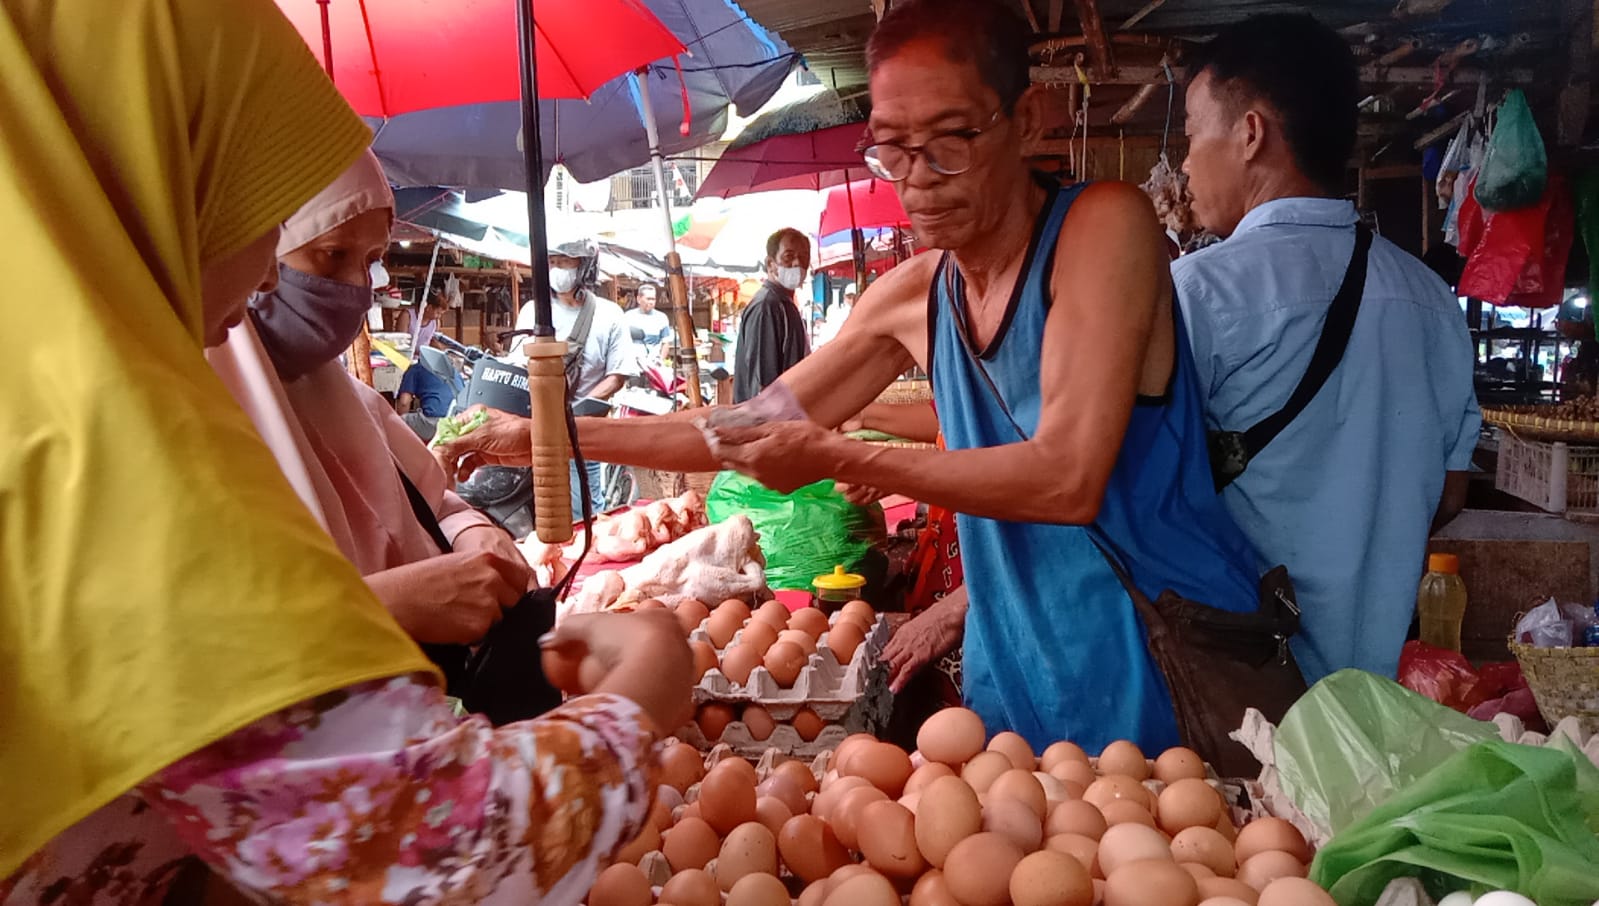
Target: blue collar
{"x": 1327, "y": 212}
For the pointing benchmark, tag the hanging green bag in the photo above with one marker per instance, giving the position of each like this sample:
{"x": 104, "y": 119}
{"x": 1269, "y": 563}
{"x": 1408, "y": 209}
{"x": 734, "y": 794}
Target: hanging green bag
{"x": 1516, "y": 168}
{"x": 804, "y": 534}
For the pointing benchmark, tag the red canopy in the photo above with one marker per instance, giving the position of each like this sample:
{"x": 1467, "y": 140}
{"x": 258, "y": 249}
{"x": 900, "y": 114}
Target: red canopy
{"x": 875, "y": 204}
{"x": 398, "y": 56}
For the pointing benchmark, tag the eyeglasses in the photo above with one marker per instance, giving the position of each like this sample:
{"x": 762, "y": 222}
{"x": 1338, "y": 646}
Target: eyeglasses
{"x": 948, "y": 153}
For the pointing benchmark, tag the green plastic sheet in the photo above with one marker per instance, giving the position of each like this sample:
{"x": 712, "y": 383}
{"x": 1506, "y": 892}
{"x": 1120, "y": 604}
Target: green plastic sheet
{"x": 804, "y": 534}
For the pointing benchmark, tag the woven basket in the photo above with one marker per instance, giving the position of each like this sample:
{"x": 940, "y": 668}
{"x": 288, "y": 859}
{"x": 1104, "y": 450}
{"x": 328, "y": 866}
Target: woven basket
{"x": 1528, "y": 422}
{"x": 1565, "y": 682}
{"x": 907, "y": 392}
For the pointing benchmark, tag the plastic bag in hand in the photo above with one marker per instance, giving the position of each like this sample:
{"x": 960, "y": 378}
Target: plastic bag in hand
{"x": 1517, "y": 167}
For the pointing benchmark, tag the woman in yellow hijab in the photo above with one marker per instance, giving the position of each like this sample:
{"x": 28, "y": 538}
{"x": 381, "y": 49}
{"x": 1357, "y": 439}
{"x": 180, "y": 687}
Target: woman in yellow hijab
{"x": 187, "y": 664}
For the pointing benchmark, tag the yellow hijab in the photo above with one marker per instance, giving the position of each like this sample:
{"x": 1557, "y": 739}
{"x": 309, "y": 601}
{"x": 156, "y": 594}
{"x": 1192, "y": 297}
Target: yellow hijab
{"x": 160, "y": 583}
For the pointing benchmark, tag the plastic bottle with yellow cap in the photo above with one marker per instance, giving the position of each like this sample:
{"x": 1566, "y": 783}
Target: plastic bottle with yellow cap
{"x": 836, "y": 589}
{"x": 1441, "y": 602}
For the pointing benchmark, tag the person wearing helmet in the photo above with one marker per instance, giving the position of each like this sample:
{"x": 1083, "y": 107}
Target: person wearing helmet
{"x": 600, "y": 355}
{"x": 837, "y": 315}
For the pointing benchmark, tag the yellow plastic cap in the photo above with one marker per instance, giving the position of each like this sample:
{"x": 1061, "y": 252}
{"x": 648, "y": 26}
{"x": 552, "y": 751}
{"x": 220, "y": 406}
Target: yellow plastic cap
{"x": 838, "y": 580}
{"x": 1443, "y": 563}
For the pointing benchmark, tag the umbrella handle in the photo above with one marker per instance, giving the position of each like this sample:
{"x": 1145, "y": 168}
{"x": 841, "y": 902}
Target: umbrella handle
{"x": 552, "y": 491}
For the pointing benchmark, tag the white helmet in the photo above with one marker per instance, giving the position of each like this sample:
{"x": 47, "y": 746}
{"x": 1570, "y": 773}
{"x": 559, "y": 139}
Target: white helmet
{"x": 850, "y": 290}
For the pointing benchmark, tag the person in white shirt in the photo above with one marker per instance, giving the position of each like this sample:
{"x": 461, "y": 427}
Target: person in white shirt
{"x": 648, "y": 326}
{"x": 837, "y": 315}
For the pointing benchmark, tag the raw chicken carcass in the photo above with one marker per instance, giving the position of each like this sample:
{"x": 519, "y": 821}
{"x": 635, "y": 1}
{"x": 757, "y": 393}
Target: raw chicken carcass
{"x": 712, "y": 564}
{"x": 549, "y": 567}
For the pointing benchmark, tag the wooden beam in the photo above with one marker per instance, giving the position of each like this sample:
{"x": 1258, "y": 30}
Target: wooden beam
{"x": 1577, "y": 19}
{"x": 1101, "y": 64}
{"x": 1032, "y": 17}
{"x": 1139, "y": 16}
{"x": 1056, "y": 9}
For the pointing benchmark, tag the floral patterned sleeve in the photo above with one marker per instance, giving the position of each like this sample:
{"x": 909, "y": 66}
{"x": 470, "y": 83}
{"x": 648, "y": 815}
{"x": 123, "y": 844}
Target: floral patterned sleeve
{"x": 379, "y": 794}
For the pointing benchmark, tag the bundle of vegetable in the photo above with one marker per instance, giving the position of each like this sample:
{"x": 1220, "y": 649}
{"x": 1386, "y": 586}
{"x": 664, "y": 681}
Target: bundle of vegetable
{"x": 453, "y": 427}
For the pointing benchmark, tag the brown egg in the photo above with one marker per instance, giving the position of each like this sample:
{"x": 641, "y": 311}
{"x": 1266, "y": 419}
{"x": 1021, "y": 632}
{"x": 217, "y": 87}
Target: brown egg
{"x": 1074, "y": 772}
{"x": 810, "y": 849}
{"x": 810, "y": 621}
{"x": 868, "y": 889}
{"x": 1224, "y": 901}
{"x": 1226, "y": 829}
{"x": 691, "y": 810}
{"x": 851, "y": 870}
{"x": 647, "y": 841}
{"x": 704, "y": 659}
{"x": 985, "y": 768}
{"x": 800, "y": 640}
{"x": 758, "y": 635}
{"x": 1079, "y": 847}
{"x": 845, "y": 816}
{"x": 1294, "y": 892}
{"x": 1050, "y": 879}
{"x": 1151, "y": 883}
{"x": 681, "y": 767}
{"x": 773, "y": 614}
{"x": 690, "y": 844}
{"x": 1125, "y": 843}
{"x": 847, "y": 748}
{"x": 784, "y": 662}
{"x": 734, "y": 606}
{"x": 1112, "y": 787}
{"x": 713, "y": 719}
{"x": 1056, "y": 790}
{"x": 978, "y": 870}
{"x": 758, "y": 890}
{"x": 1211, "y": 888}
{"x": 1122, "y": 757}
{"x": 797, "y": 773}
{"x": 1015, "y": 820}
{"x": 1123, "y": 811}
{"x": 749, "y": 850}
{"x": 1179, "y": 764}
{"x": 758, "y": 721}
{"x": 932, "y": 891}
{"x": 1205, "y": 846}
{"x": 1024, "y": 788}
{"x": 692, "y": 888}
{"x": 1014, "y": 747}
{"x": 884, "y": 765}
{"x": 860, "y": 611}
{"x": 727, "y": 798}
{"x": 661, "y": 811}
{"x": 1199, "y": 872}
{"x": 739, "y": 766}
{"x": 773, "y": 813}
{"x": 721, "y": 627}
{"x": 887, "y": 836}
{"x": 1189, "y": 803}
{"x": 814, "y": 894}
{"x": 807, "y": 724}
{"x": 785, "y": 790}
{"x": 843, "y": 639}
{"x": 1076, "y": 817}
{"x": 911, "y": 801}
{"x": 947, "y": 814}
{"x": 951, "y": 737}
{"x": 827, "y": 800}
{"x": 923, "y": 776}
{"x": 738, "y": 661}
{"x": 623, "y": 884}
{"x": 690, "y": 614}
{"x": 1060, "y": 753}
{"x": 1263, "y": 868}
{"x": 1271, "y": 834}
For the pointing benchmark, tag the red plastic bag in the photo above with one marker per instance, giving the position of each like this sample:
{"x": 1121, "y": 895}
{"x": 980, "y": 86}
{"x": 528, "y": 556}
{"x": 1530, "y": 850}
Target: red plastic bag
{"x": 1442, "y": 675}
{"x": 1543, "y": 282}
{"x": 1518, "y": 257}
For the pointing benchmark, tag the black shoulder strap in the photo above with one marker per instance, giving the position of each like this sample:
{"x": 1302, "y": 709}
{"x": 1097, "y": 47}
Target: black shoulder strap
{"x": 579, "y": 337}
{"x": 1232, "y": 451}
{"x": 424, "y": 513}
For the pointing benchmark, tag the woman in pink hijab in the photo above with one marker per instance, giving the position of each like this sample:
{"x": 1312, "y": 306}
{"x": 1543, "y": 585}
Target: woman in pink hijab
{"x": 344, "y": 449}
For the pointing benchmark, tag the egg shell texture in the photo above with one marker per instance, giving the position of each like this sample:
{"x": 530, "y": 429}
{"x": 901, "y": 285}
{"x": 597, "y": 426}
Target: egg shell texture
{"x": 1151, "y": 883}
{"x": 1050, "y": 879}
{"x": 749, "y": 849}
{"x": 810, "y": 848}
{"x": 887, "y": 834}
{"x": 978, "y": 870}
{"x": 947, "y": 814}
{"x": 622, "y": 884}
{"x": 690, "y": 844}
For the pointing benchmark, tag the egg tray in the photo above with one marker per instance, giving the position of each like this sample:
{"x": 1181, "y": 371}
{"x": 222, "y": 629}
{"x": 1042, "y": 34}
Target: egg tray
{"x": 784, "y": 739}
{"x": 830, "y": 689}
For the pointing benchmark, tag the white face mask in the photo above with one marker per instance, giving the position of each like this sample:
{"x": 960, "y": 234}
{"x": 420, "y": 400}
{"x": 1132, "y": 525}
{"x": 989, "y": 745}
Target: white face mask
{"x": 563, "y": 279}
{"x": 790, "y": 277}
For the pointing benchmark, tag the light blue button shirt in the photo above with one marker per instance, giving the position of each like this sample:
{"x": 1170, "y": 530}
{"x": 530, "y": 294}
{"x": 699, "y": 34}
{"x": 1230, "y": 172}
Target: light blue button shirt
{"x": 1345, "y": 495}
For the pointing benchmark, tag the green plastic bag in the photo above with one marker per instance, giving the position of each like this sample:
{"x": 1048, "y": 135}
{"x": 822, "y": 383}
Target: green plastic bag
{"x": 1496, "y": 816}
{"x": 804, "y": 534}
{"x": 1516, "y": 168}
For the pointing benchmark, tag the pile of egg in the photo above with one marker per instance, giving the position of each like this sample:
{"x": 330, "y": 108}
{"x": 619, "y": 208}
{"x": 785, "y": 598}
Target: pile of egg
{"x": 770, "y": 637}
{"x": 957, "y": 823}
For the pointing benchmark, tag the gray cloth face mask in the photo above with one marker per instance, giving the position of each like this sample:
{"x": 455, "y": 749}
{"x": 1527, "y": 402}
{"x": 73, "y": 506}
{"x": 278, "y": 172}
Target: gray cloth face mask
{"x": 308, "y": 321}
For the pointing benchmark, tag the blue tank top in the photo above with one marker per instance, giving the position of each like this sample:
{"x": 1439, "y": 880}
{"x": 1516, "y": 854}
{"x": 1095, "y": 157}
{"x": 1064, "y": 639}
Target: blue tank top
{"x": 1054, "y": 648}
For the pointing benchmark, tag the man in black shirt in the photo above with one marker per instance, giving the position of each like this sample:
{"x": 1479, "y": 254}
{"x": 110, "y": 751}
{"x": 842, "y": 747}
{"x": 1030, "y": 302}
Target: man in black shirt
{"x": 772, "y": 334}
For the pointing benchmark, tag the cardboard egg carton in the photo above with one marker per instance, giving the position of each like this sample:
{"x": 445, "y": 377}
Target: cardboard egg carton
{"x": 784, "y": 740}
{"x": 830, "y": 689}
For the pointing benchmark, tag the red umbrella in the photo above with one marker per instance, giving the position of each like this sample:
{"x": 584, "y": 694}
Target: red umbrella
{"x": 806, "y": 160}
{"x": 398, "y": 56}
{"x": 862, "y": 205}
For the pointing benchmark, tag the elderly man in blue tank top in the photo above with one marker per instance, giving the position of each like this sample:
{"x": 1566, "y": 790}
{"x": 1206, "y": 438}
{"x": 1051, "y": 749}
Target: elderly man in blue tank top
{"x": 1063, "y": 382}
{"x": 1344, "y": 495}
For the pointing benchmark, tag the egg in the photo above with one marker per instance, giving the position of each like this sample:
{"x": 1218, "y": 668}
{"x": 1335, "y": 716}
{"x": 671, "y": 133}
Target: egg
{"x": 827, "y": 800}
{"x": 704, "y": 659}
{"x": 1060, "y": 753}
{"x": 863, "y": 890}
{"x": 947, "y": 814}
{"x": 721, "y": 627}
{"x": 758, "y": 635}
{"x": 773, "y": 813}
{"x": 1263, "y": 868}
{"x": 911, "y": 801}
{"x": 1503, "y": 898}
{"x": 808, "y": 724}
{"x": 690, "y": 614}
{"x": 887, "y": 835}
{"x": 727, "y": 798}
{"x": 797, "y": 773}
{"x": 814, "y": 894}
{"x": 858, "y": 610}
{"x": 923, "y": 777}
{"x": 782, "y": 788}
{"x": 1079, "y": 847}
{"x": 843, "y": 639}
{"x": 810, "y": 621}
{"x": 622, "y": 884}
{"x": 1126, "y": 843}
{"x": 734, "y": 606}
{"x": 784, "y": 662}
{"x": 773, "y": 614}
{"x": 647, "y": 841}
{"x": 1179, "y": 764}
{"x": 691, "y": 888}
{"x": 759, "y": 722}
{"x": 1300, "y": 892}
{"x": 800, "y": 640}
{"x": 1077, "y": 817}
{"x": 1458, "y": 898}
{"x": 1189, "y": 803}
{"x": 847, "y": 748}
{"x": 738, "y": 661}
{"x": 668, "y": 798}
{"x": 884, "y": 765}
{"x": 951, "y": 737}
{"x": 810, "y": 849}
{"x": 978, "y": 870}
{"x": 1229, "y": 888}
{"x": 1050, "y": 879}
{"x": 846, "y": 814}
{"x": 1205, "y": 846}
{"x": 1225, "y": 827}
{"x": 985, "y": 768}
{"x": 1023, "y": 787}
{"x": 681, "y": 767}
{"x": 1199, "y": 871}
{"x": 1151, "y": 882}
{"x": 1125, "y": 811}
{"x": 1224, "y": 901}
{"x": 931, "y": 890}
{"x": 1055, "y": 790}
{"x": 691, "y": 843}
{"x": 1074, "y": 772}
{"x": 1122, "y": 757}
{"x": 738, "y": 765}
{"x": 750, "y": 849}
{"x": 1112, "y": 787}
{"x": 691, "y": 810}
{"x": 713, "y": 719}
{"x": 758, "y": 890}
{"x": 1276, "y": 834}
{"x": 1014, "y": 747}
{"x": 1014, "y": 820}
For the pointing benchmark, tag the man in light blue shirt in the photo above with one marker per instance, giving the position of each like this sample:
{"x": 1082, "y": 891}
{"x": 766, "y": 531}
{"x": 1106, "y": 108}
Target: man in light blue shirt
{"x": 1345, "y": 496}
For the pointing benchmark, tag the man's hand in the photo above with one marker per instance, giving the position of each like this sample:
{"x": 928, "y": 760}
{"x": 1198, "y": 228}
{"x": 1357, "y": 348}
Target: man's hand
{"x": 493, "y": 540}
{"x": 506, "y": 440}
{"x": 454, "y": 598}
{"x": 934, "y": 633}
{"x": 783, "y": 456}
{"x": 860, "y": 494}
